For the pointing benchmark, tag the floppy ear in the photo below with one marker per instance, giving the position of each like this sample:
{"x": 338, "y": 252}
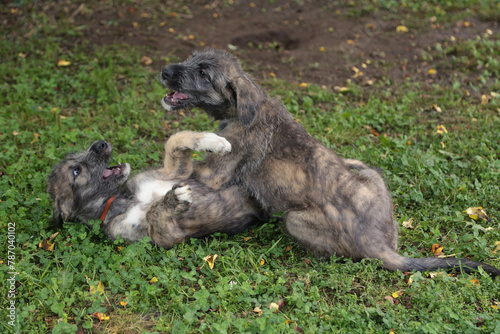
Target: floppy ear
{"x": 249, "y": 98}
{"x": 62, "y": 209}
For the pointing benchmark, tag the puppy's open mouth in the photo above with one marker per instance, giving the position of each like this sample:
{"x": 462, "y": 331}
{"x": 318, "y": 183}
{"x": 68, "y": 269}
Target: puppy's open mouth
{"x": 175, "y": 100}
{"x": 112, "y": 171}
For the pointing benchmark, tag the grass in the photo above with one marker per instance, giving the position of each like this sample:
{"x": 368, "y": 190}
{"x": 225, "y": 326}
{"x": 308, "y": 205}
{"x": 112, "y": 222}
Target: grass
{"x": 105, "y": 93}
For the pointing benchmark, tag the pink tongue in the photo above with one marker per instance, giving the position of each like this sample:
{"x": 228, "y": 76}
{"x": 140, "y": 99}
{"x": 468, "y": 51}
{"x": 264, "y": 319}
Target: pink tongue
{"x": 107, "y": 173}
{"x": 180, "y": 96}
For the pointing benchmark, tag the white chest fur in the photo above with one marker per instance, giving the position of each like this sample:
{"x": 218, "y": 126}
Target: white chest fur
{"x": 146, "y": 193}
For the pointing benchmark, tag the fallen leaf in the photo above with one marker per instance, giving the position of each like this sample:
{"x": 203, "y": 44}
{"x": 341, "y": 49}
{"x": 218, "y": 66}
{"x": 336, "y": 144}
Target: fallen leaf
{"x": 497, "y": 244}
{"x": 437, "y": 108}
{"x": 476, "y": 213}
{"x": 401, "y": 29}
{"x": 145, "y": 60}
{"x": 274, "y": 307}
{"x": 484, "y": 99}
{"x": 442, "y": 145}
{"x": 397, "y": 294}
{"x": 350, "y": 42}
{"x": 431, "y": 71}
{"x": 475, "y": 281}
{"x": 101, "y": 316}
{"x": 408, "y": 223}
{"x": 46, "y": 245}
{"x": 272, "y": 75}
{"x": 494, "y": 306}
{"x": 63, "y": 63}
{"x": 135, "y": 24}
{"x": 410, "y": 280}
{"x": 303, "y": 85}
{"x": 257, "y": 310}
{"x": 124, "y": 302}
{"x": 211, "y": 260}
{"x": 262, "y": 261}
{"x": 99, "y": 289}
{"x": 437, "y": 249}
{"x": 153, "y": 280}
{"x": 246, "y": 239}
{"x": 441, "y": 129}
{"x": 322, "y": 49}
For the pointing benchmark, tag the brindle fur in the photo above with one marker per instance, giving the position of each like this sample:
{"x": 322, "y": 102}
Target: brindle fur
{"x": 159, "y": 203}
{"x": 331, "y": 205}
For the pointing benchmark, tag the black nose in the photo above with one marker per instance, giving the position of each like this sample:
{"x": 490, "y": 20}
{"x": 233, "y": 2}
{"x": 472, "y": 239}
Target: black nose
{"x": 167, "y": 73}
{"x": 99, "y": 146}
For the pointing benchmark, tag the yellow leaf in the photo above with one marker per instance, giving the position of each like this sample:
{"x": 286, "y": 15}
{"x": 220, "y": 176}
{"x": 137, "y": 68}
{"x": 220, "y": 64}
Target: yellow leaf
{"x": 397, "y": 294}
{"x": 475, "y": 281}
{"x": 246, "y": 239}
{"x": 476, "y": 213}
{"x": 410, "y": 280}
{"x": 437, "y": 108}
{"x": 257, "y": 310}
{"x": 484, "y": 99}
{"x": 120, "y": 248}
{"x": 322, "y": 49}
{"x": 288, "y": 321}
{"x": 274, "y": 307}
{"x": 497, "y": 244}
{"x": 272, "y": 75}
{"x": 252, "y": 4}
{"x": 401, "y": 29}
{"x": 437, "y": 250}
{"x": 46, "y": 245}
{"x": 153, "y": 280}
{"x": 494, "y": 306}
{"x": 211, "y": 260}
{"x": 441, "y": 129}
{"x": 124, "y": 302}
{"x": 443, "y": 145}
{"x": 432, "y": 71}
{"x": 171, "y": 30}
{"x": 303, "y": 85}
{"x": 100, "y": 289}
{"x": 391, "y": 331}
{"x": 408, "y": 223}
{"x": 63, "y": 63}
{"x": 350, "y": 42}
{"x": 135, "y": 24}
{"x": 262, "y": 262}
{"x": 101, "y": 316}
{"x": 163, "y": 23}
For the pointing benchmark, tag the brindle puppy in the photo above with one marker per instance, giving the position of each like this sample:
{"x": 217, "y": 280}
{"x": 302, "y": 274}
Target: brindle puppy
{"x": 160, "y": 203}
{"x": 331, "y": 205}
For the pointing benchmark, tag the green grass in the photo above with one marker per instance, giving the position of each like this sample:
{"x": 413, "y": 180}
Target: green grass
{"x": 47, "y": 111}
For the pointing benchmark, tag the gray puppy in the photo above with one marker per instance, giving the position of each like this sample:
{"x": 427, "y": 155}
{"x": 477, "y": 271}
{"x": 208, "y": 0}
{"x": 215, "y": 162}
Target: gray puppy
{"x": 160, "y": 203}
{"x": 331, "y": 205}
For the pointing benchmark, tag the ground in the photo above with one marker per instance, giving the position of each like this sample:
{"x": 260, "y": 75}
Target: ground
{"x": 321, "y": 42}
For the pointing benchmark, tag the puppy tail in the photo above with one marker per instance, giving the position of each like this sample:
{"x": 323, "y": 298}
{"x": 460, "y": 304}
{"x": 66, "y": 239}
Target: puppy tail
{"x": 396, "y": 261}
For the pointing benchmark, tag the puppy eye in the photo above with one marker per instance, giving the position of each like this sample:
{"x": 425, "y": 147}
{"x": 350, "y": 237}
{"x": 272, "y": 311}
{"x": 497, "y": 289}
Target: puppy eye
{"x": 202, "y": 73}
{"x": 76, "y": 171}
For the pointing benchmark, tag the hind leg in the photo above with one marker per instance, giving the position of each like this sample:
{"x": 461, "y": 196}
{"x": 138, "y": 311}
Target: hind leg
{"x": 174, "y": 218}
{"x": 312, "y": 230}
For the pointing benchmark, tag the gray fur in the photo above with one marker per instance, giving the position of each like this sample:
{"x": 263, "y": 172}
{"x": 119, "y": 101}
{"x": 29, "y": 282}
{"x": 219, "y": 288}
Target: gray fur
{"x": 331, "y": 205}
{"x": 174, "y": 209}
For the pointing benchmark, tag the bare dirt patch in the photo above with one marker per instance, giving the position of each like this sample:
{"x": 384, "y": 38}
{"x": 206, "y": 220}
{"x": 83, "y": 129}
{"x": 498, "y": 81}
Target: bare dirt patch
{"x": 301, "y": 41}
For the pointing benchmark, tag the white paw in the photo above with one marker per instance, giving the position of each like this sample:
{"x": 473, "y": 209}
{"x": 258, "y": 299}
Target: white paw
{"x": 184, "y": 194}
{"x": 213, "y": 143}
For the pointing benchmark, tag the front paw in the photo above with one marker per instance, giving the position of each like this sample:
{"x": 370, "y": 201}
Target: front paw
{"x": 214, "y": 143}
{"x": 183, "y": 193}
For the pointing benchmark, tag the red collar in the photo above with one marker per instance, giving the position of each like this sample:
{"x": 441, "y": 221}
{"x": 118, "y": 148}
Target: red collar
{"x": 105, "y": 211}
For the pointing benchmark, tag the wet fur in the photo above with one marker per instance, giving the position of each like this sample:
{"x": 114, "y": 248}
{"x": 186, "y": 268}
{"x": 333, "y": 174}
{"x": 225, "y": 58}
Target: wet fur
{"x": 331, "y": 205}
{"x": 160, "y": 203}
